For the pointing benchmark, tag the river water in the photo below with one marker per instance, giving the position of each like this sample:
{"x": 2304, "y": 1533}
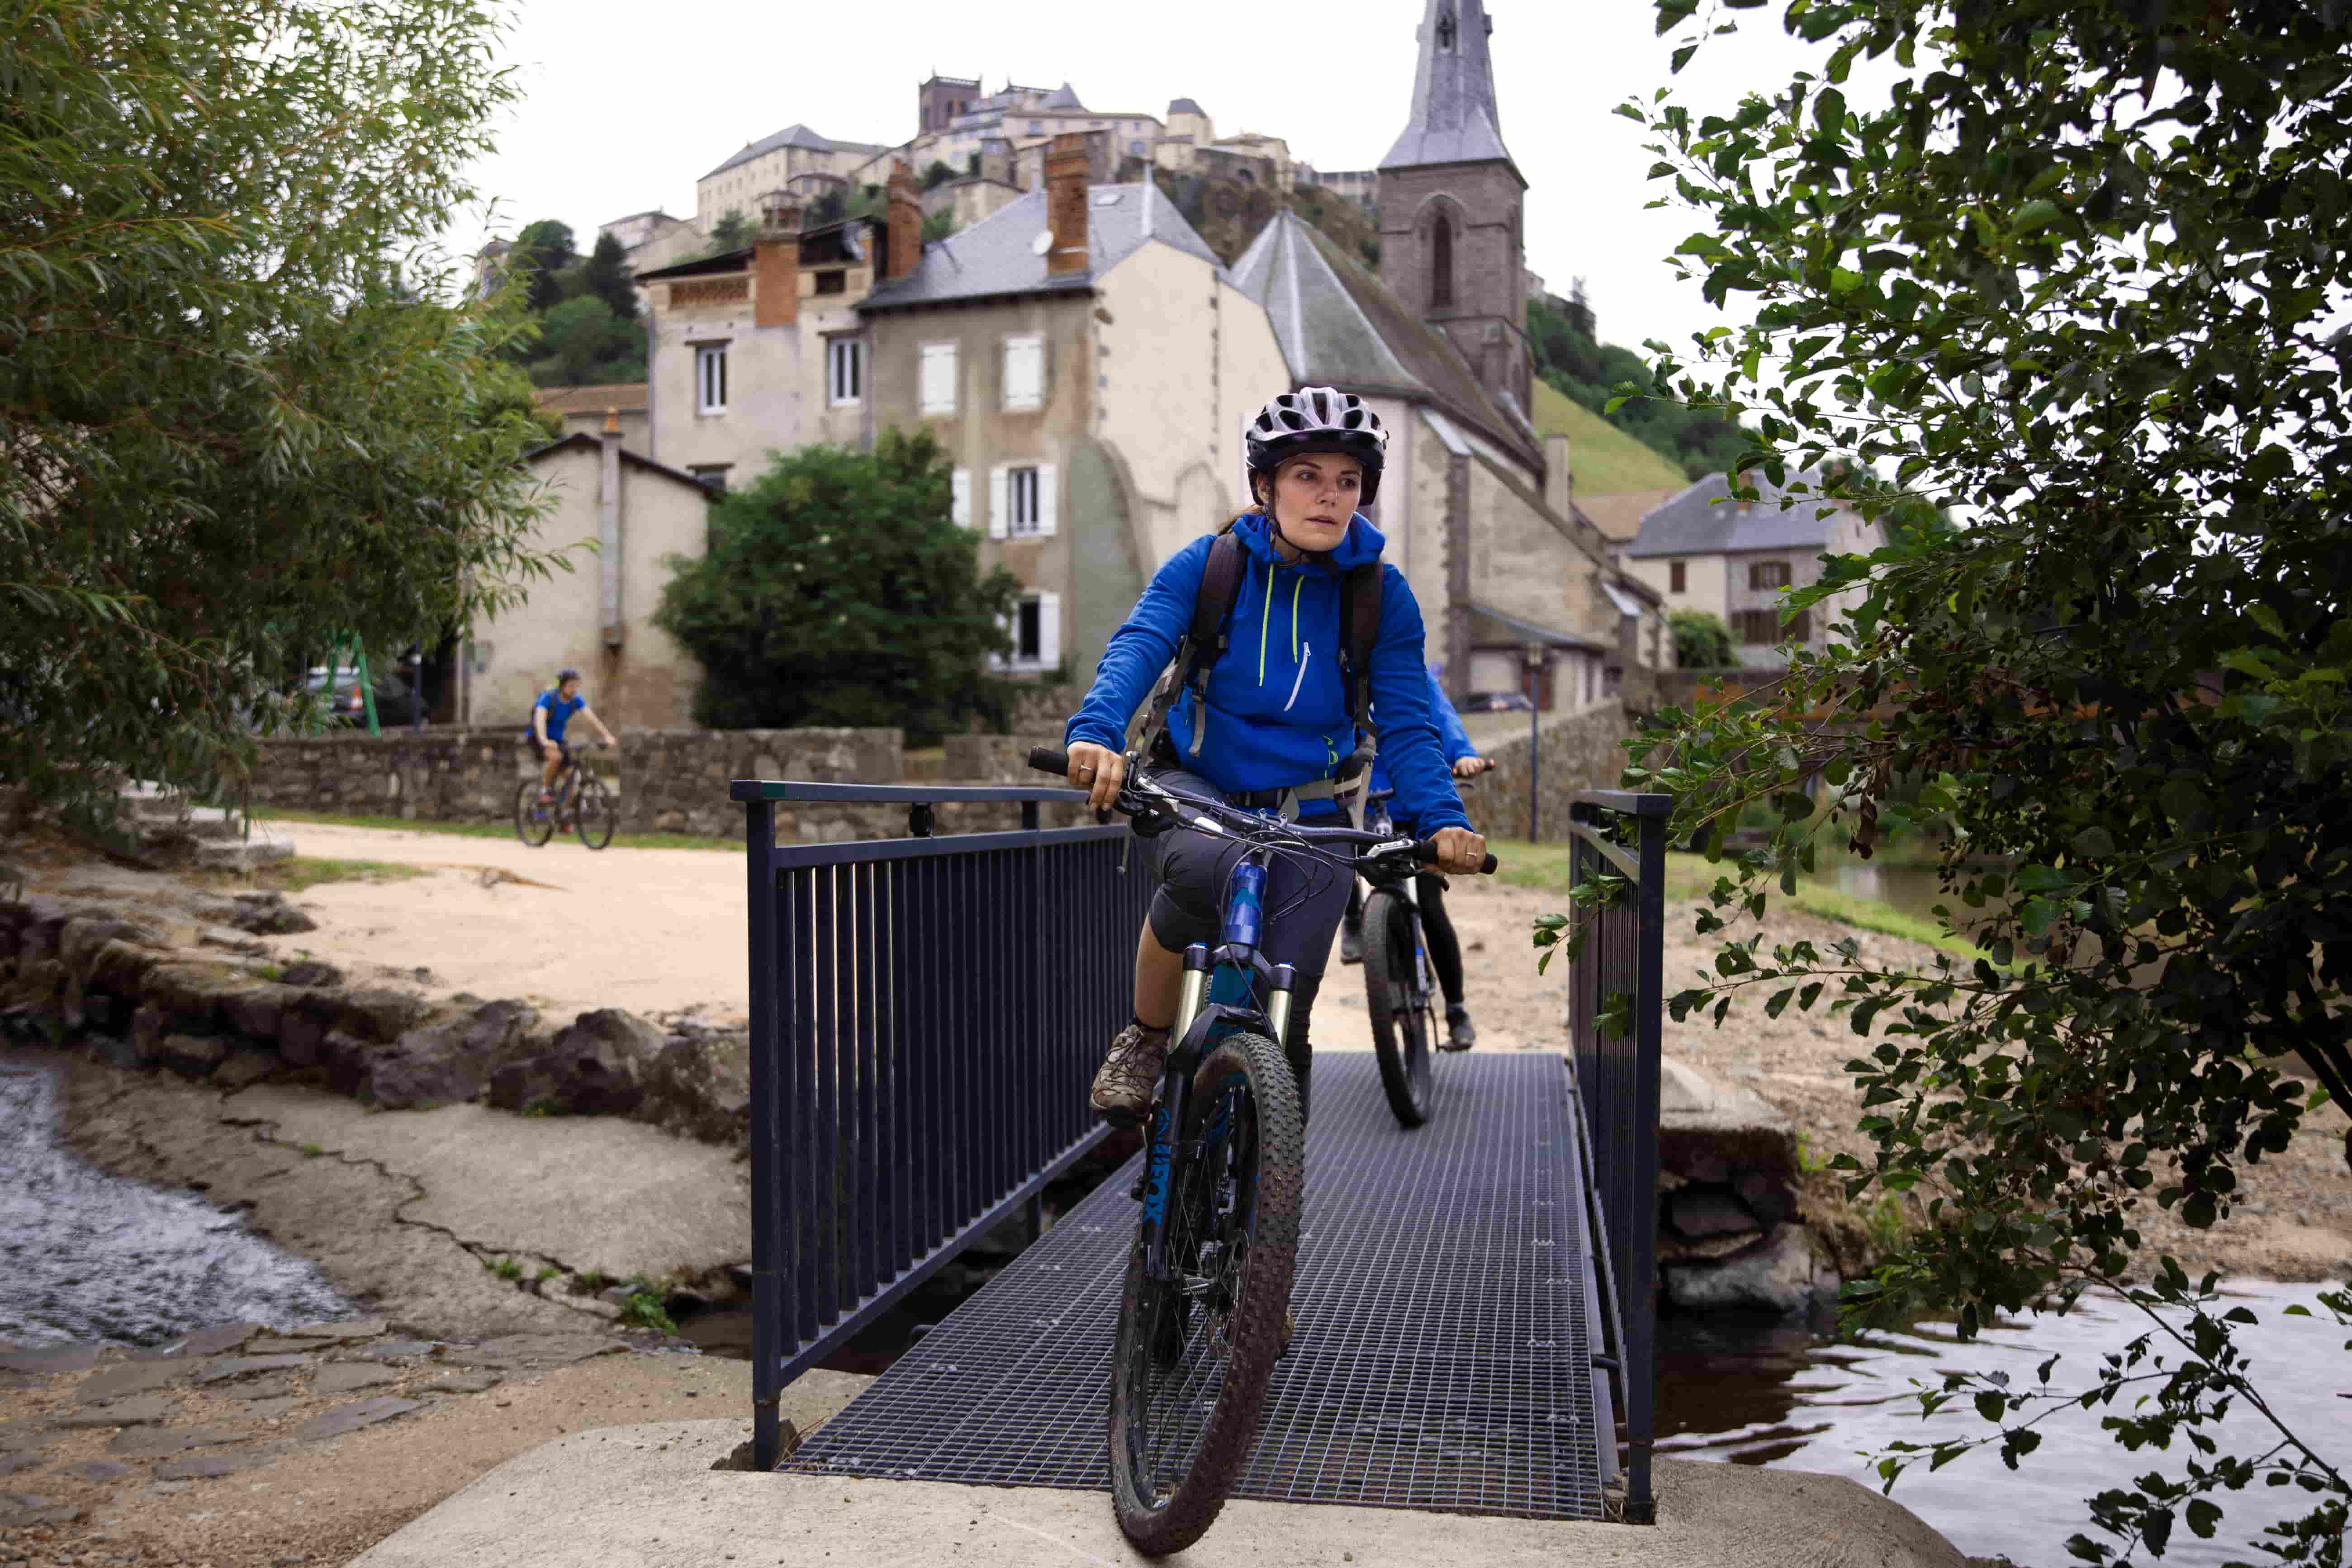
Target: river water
{"x": 85, "y": 1256}
{"x": 1765, "y": 1392}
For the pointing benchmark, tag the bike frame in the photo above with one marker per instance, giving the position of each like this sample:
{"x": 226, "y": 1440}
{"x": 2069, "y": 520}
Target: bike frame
{"x": 1407, "y": 886}
{"x": 1201, "y": 1022}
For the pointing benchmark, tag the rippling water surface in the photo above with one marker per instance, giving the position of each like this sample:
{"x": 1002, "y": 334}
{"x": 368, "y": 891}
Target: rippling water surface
{"x": 85, "y": 1256}
{"x": 1771, "y": 1393}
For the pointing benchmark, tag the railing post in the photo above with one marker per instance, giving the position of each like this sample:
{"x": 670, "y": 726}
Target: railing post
{"x": 767, "y": 1121}
{"x": 1649, "y": 1005}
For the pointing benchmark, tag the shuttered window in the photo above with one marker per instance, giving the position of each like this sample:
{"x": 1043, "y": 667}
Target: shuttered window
{"x": 1025, "y": 373}
{"x": 960, "y": 491}
{"x": 938, "y": 378}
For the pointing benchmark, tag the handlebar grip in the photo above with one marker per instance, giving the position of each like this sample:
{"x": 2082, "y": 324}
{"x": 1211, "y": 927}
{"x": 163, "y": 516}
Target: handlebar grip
{"x": 1046, "y": 760}
{"x": 1425, "y": 852}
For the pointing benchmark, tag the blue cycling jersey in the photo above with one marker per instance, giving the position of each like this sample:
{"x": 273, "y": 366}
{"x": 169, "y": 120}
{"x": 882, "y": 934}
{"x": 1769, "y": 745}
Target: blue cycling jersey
{"x": 559, "y": 712}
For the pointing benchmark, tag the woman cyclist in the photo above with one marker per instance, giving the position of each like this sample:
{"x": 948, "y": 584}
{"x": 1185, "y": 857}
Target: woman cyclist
{"x": 1429, "y": 892}
{"x": 1276, "y": 724}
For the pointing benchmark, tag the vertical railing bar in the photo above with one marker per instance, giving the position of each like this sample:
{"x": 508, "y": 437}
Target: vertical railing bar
{"x": 802, "y": 1065}
{"x": 897, "y": 1149}
{"x": 825, "y": 1200}
{"x": 873, "y": 1229}
{"x": 1650, "y": 993}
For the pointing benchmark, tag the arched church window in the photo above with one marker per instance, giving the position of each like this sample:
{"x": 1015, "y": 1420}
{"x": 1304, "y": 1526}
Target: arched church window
{"x": 1445, "y": 27}
{"x": 1441, "y": 263}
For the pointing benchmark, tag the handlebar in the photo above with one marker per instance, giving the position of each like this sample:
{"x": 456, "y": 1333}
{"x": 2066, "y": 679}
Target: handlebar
{"x": 1051, "y": 760}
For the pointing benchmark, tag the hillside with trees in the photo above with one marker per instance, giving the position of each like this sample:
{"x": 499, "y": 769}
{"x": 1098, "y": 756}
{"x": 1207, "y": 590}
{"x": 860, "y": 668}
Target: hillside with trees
{"x": 583, "y": 309}
{"x": 1571, "y": 360}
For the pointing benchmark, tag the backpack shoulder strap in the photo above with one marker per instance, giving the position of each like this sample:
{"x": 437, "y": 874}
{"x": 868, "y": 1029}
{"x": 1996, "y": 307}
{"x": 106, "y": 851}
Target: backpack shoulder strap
{"x": 1205, "y": 643}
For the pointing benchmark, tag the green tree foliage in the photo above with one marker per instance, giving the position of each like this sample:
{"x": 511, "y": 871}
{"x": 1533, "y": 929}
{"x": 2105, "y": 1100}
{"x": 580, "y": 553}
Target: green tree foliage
{"x": 2078, "y": 274}
{"x": 1701, "y": 640}
{"x": 582, "y": 343}
{"x": 837, "y": 590}
{"x": 236, "y": 419}
{"x": 939, "y": 174}
{"x": 542, "y": 253}
{"x": 1700, "y": 440}
{"x": 606, "y": 278}
{"x": 732, "y": 232}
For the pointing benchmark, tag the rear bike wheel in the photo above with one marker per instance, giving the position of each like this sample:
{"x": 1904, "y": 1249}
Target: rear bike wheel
{"x": 1192, "y": 1354}
{"x": 1405, "y": 1022}
{"x": 594, "y": 813}
{"x": 534, "y": 822}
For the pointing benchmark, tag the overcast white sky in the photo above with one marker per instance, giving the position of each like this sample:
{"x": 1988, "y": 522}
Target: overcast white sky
{"x": 626, "y": 105}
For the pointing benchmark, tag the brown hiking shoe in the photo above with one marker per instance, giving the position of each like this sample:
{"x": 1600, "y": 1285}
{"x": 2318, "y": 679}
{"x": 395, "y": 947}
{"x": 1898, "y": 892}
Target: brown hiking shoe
{"x": 1129, "y": 1076}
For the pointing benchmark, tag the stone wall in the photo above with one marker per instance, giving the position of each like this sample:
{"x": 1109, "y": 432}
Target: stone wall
{"x": 670, "y": 781}
{"x": 1580, "y": 750}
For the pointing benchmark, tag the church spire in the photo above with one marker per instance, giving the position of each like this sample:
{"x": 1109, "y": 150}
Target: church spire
{"x": 1453, "y": 117}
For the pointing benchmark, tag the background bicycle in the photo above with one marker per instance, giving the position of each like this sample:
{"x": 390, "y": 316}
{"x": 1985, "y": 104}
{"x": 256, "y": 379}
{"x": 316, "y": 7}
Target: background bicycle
{"x": 583, "y": 803}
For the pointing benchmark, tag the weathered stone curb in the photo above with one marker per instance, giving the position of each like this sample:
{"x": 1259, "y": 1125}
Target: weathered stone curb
{"x": 79, "y": 972}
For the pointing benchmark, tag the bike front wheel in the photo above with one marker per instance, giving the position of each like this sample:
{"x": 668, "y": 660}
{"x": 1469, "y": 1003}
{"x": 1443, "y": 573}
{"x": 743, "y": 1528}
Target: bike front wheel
{"x": 534, "y": 822}
{"x": 1194, "y": 1350}
{"x": 1402, "y": 1011}
{"x": 595, "y": 813}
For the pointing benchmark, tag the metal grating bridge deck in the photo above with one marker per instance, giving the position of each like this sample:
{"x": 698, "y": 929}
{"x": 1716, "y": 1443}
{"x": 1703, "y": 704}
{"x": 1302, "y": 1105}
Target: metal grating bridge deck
{"x": 1447, "y": 1319}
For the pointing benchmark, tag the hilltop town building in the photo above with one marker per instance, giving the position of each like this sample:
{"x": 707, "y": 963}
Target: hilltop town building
{"x": 1700, "y": 550}
{"x": 795, "y": 159}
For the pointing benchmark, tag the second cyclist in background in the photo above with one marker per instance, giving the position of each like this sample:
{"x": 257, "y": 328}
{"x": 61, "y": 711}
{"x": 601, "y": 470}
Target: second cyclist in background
{"x": 549, "y": 716}
{"x": 1437, "y": 929}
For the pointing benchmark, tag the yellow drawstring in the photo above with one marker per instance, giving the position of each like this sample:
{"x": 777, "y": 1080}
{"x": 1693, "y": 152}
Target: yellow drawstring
{"x": 1298, "y": 582}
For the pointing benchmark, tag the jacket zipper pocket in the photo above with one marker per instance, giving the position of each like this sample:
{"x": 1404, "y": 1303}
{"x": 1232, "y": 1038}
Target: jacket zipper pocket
{"x": 1300, "y": 679}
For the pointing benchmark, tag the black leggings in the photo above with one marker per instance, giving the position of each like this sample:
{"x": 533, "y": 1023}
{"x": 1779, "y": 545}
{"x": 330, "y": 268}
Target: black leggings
{"x": 1436, "y": 929}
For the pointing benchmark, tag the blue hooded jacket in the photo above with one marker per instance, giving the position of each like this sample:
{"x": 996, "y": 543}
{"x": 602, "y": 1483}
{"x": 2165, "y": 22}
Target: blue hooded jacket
{"x": 1452, "y": 737}
{"x": 1278, "y": 713}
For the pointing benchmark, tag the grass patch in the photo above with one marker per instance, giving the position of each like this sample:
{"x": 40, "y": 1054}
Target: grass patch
{"x": 1545, "y": 868}
{"x": 645, "y": 1308}
{"x": 491, "y": 830}
{"x": 505, "y": 1268}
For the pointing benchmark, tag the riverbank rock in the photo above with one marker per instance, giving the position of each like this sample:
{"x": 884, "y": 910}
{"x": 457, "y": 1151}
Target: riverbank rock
{"x": 598, "y": 1066}
{"x": 1727, "y": 1203}
{"x": 449, "y": 1061}
{"x": 1783, "y": 1274}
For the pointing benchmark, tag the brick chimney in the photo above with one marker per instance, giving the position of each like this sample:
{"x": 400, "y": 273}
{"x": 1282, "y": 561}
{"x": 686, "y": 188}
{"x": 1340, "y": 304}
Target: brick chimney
{"x": 906, "y": 237}
{"x": 1559, "y": 480}
{"x": 1066, "y": 205}
{"x": 776, "y": 262}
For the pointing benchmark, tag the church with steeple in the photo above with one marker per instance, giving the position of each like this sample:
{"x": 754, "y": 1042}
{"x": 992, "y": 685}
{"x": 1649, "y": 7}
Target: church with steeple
{"x": 1450, "y": 202}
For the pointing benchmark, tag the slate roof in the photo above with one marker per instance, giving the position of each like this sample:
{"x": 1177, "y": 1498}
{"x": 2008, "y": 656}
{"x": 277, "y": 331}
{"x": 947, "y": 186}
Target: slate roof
{"x": 1063, "y": 97}
{"x": 795, "y": 136}
{"x": 1454, "y": 116}
{"x": 997, "y": 256}
{"x": 1186, "y": 106}
{"x": 833, "y": 242}
{"x": 1340, "y": 326}
{"x": 583, "y": 442}
{"x": 1693, "y": 523}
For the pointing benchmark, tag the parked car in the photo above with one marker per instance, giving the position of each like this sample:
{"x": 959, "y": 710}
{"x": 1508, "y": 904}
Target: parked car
{"x": 395, "y": 701}
{"x": 1497, "y": 702}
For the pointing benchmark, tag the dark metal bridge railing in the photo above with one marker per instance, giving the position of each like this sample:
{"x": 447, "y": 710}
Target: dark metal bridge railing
{"x": 926, "y": 1016}
{"x": 1623, "y": 835}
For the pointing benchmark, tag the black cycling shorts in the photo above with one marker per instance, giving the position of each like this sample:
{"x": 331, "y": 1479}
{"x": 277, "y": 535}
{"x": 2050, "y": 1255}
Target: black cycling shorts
{"x": 1303, "y": 898}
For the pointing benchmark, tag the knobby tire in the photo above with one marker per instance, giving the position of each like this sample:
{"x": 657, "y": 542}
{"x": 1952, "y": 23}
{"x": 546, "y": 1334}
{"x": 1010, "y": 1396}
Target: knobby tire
{"x": 532, "y": 825}
{"x": 1169, "y": 1472}
{"x": 592, "y": 812}
{"x": 1400, "y": 1011}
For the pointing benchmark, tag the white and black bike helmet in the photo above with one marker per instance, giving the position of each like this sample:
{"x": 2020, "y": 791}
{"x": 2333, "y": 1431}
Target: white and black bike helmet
{"x": 1319, "y": 419}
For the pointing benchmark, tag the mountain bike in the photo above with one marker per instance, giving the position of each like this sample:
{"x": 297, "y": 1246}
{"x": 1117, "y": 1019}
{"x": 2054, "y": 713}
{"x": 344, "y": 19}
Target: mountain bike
{"x": 1202, "y": 1312}
{"x": 1401, "y": 991}
{"x": 583, "y": 804}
